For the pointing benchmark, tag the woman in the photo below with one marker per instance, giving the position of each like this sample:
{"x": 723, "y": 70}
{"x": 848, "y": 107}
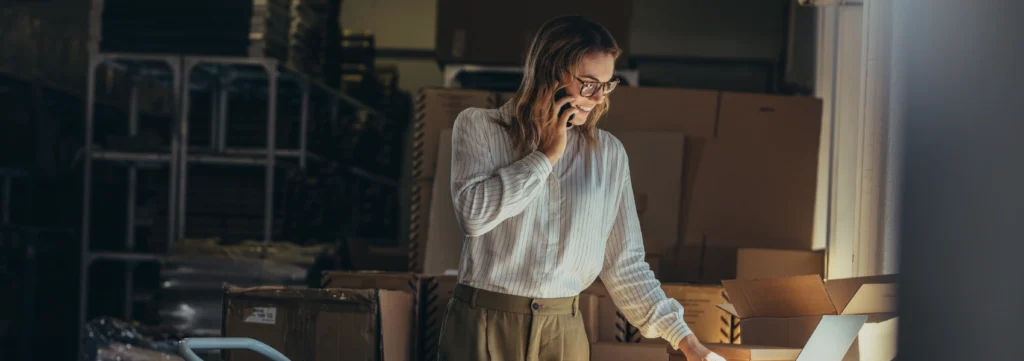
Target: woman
{"x": 546, "y": 204}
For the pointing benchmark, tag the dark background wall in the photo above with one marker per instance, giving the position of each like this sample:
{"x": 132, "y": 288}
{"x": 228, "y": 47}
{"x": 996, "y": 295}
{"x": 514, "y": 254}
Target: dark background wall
{"x": 958, "y": 75}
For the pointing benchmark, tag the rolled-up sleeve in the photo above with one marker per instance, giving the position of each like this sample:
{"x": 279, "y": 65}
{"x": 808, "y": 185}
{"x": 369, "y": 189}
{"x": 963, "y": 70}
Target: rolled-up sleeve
{"x": 630, "y": 281}
{"x": 485, "y": 194}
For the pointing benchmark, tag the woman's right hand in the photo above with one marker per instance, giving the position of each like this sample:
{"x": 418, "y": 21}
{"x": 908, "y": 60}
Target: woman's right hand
{"x": 553, "y": 132}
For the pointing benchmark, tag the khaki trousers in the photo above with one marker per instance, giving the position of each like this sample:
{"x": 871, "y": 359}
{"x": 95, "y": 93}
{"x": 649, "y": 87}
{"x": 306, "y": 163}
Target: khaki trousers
{"x": 481, "y": 325}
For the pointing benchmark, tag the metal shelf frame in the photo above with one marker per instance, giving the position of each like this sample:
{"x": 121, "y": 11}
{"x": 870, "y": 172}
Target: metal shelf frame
{"x": 217, "y": 75}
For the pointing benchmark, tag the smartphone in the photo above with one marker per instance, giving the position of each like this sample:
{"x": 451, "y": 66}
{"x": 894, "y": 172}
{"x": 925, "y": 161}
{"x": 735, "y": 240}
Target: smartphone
{"x": 561, "y": 93}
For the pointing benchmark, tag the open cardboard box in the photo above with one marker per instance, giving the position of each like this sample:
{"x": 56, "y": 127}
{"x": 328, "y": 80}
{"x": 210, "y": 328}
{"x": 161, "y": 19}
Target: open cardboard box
{"x": 821, "y": 317}
{"x": 744, "y": 353}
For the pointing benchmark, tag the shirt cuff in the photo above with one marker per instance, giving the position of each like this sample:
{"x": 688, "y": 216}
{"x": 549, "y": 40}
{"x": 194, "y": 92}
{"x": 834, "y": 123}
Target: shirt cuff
{"x": 676, "y": 334}
{"x": 539, "y": 162}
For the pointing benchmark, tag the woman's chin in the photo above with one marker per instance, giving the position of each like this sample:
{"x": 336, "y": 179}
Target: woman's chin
{"x": 580, "y": 118}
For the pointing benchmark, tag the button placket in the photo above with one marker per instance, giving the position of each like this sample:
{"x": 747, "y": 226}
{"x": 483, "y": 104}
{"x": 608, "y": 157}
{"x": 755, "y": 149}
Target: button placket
{"x": 554, "y": 222}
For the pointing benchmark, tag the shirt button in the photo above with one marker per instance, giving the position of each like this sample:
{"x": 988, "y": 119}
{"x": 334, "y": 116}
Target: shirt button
{"x": 536, "y": 306}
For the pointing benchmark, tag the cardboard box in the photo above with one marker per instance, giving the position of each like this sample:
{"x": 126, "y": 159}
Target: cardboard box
{"x": 589, "y": 309}
{"x": 499, "y": 33}
{"x": 711, "y": 264}
{"x": 821, "y": 317}
{"x": 756, "y": 182}
{"x": 444, "y": 233}
{"x": 639, "y": 109}
{"x": 700, "y": 302}
{"x": 435, "y": 111}
{"x": 618, "y": 351}
{"x": 754, "y": 263}
{"x": 419, "y": 223}
{"x": 432, "y": 296}
{"x": 334, "y": 324}
{"x": 700, "y": 264}
{"x": 656, "y": 171}
{"x": 744, "y": 353}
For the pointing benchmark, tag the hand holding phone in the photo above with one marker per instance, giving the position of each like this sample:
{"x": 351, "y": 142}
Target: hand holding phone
{"x": 553, "y": 133}
{"x": 561, "y": 112}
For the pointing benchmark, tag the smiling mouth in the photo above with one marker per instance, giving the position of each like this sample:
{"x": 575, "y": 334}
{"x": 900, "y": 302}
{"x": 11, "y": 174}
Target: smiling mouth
{"x": 584, "y": 109}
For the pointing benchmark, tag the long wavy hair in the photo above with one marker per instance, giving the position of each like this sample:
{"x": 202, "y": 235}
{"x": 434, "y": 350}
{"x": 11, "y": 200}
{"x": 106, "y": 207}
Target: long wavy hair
{"x": 552, "y": 63}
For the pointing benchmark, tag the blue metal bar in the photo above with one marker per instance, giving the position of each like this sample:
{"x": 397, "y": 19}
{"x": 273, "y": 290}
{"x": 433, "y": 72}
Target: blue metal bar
{"x": 186, "y": 346}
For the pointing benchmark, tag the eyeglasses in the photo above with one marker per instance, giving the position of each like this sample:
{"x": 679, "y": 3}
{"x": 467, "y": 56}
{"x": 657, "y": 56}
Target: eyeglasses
{"x": 590, "y": 88}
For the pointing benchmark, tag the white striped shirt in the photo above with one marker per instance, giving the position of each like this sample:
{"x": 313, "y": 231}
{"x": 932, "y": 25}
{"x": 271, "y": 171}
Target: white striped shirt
{"x": 542, "y": 231}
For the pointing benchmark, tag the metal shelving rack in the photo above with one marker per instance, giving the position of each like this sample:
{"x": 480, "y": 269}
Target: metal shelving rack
{"x": 177, "y": 71}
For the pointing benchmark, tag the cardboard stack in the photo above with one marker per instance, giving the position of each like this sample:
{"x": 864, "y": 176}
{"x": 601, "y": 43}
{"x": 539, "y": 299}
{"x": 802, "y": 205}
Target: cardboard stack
{"x": 333, "y": 324}
{"x": 431, "y": 294}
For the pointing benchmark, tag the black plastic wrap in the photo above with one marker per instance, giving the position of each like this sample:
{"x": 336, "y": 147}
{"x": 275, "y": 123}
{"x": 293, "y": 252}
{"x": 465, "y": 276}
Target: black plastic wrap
{"x": 110, "y": 339}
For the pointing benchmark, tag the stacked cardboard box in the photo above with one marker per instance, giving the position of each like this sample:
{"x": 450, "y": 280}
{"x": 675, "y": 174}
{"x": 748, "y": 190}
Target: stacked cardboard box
{"x": 431, "y": 293}
{"x": 322, "y": 324}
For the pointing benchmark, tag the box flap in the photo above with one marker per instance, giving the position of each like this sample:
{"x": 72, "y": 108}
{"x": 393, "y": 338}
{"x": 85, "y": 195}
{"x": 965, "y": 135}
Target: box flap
{"x": 863, "y": 295}
{"x": 832, "y": 338}
{"x": 779, "y": 297}
{"x": 729, "y": 308}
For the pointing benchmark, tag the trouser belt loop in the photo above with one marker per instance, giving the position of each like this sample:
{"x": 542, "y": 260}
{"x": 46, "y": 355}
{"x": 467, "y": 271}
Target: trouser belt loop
{"x": 473, "y": 297}
{"x": 575, "y": 306}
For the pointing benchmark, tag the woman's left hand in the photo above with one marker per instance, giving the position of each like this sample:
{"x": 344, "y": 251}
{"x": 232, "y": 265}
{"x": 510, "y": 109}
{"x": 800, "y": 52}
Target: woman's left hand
{"x": 695, "y": 351}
